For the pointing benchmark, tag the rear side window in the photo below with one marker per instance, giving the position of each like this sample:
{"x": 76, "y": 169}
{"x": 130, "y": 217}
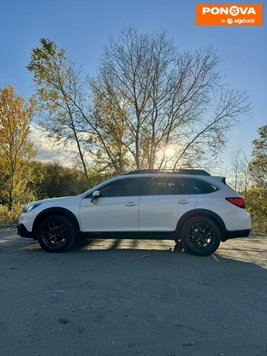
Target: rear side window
{"x": 177, "y": 186}
{"x": 161, "y": 186}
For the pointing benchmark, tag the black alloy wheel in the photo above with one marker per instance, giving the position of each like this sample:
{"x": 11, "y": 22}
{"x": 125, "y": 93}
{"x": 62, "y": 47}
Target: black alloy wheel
{"x": 201, "y": 236}
{"x": 56, "y": 234}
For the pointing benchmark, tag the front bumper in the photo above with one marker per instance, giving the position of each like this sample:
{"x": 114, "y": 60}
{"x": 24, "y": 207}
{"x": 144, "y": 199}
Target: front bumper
{"x": 23, "y": 232}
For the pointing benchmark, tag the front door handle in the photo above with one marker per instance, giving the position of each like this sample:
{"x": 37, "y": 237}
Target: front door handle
{"x": 130, "y": 204}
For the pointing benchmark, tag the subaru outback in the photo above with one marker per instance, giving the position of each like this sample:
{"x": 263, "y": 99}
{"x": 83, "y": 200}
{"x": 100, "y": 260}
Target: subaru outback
{"x": 194, "y": 209}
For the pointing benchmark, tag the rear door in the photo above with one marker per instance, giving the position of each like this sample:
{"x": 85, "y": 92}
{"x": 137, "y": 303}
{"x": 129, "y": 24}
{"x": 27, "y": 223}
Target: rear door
{"x": 164, "y": 201}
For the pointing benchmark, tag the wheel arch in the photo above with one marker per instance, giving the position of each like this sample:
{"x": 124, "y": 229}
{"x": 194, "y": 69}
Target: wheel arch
{"x": 55, "y": 211}
{"x": 203, "y": 213}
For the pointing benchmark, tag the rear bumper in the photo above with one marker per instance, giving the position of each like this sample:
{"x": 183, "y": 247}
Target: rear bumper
{"x": 23, "y": 232}
{"x": 235, "y": 234}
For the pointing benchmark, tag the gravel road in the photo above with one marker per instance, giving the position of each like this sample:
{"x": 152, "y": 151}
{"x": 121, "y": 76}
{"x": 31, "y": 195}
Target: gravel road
{"x": 113, "y": 297}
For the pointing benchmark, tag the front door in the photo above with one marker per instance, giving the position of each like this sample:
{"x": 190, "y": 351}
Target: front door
{"x": 116, "y": 209}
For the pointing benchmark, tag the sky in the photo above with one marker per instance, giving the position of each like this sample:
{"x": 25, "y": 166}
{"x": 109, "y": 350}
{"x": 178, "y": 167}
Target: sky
{"x": 83, "y": 27}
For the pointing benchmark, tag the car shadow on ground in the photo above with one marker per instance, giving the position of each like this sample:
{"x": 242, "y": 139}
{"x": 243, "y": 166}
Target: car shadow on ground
{"x": 245, "y": 250}
{"x": 122, "y": 244}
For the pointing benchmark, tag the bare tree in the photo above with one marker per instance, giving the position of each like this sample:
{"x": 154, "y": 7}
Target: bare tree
{"x": 240, "y": 168}
{"x": 147, "y": 99}
{"x": 163, "y": 98}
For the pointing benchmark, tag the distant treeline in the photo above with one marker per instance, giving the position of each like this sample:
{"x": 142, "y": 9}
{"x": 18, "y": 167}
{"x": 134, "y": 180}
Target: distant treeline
{"x": 47, "y": 180}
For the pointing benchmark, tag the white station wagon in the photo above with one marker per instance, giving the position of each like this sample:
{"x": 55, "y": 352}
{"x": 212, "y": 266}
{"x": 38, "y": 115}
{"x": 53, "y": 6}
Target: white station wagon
{"x": 196, "y": 210}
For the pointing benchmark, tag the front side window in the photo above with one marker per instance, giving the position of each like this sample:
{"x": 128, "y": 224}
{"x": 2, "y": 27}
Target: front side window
{"x": 123, "y": 187}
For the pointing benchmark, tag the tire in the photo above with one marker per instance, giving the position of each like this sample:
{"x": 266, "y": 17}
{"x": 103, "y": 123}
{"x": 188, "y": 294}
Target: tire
{"x": 56, "y": 234}
{"x": 179, "y": 246}
{"x": 201, "y": 236}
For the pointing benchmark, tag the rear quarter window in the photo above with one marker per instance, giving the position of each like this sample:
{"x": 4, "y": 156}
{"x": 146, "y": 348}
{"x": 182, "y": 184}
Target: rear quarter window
{"x": 198, "y": 186}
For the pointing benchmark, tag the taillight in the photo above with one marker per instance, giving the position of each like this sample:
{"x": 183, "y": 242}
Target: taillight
{"x": 240, "y": 202}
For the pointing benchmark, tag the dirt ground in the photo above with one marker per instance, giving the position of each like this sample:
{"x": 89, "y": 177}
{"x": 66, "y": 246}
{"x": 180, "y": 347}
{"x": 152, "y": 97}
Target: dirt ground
{"x": 113, "y": 297}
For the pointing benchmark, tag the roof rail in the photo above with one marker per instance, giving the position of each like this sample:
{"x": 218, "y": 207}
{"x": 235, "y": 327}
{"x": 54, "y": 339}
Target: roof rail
{"x": 201, "y": 172}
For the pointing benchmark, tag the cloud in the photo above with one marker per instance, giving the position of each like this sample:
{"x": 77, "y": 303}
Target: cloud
{"x": 48, "y": 149}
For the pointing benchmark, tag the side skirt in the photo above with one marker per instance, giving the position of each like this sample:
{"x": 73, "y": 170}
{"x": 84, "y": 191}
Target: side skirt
{"x": 135, "y": 235}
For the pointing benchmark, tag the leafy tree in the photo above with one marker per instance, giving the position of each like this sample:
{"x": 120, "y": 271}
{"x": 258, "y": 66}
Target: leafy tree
{"x": 59, "y": 93}
{"x": 256, "y": 199}
{"x": 257, "y": 195}
{"x": 56, "y": 180}
{"x": 15, "y": 147}
{"x": 258, "y": 165}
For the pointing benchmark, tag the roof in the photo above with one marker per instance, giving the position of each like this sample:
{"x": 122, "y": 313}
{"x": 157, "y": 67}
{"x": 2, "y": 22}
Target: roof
{"x": 201, "y": 172}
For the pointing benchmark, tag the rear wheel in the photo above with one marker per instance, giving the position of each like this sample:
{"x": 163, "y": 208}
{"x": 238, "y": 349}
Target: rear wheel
{"x": 201, "y": 236}
{"x": 56, "y": 234}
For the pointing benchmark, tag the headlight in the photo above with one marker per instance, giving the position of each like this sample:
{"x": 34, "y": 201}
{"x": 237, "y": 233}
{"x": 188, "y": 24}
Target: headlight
{"x": 30, "y": 207}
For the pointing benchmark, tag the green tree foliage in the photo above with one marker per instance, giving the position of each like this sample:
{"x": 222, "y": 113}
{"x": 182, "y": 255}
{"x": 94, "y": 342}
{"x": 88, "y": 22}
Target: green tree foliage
{"x": 15, "y": 147}
{"x": 54, "y": 180}
{"x": 257, "y": 194}
{"x": 59, "y": 93}
{"x": 48, "y": 180}
{"x": 256, "y": 199}
{"x": 258, "y": 165}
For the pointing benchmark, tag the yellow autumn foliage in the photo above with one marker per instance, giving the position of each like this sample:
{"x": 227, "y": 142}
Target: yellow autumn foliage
{"x": 15, "y": 147}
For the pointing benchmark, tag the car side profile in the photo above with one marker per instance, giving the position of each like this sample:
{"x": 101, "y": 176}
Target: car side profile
{"x": 194, "y": 209}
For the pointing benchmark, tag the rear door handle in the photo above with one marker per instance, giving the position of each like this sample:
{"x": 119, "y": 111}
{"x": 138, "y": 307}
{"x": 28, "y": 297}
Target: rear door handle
{"x": 130, "y": 204}
{"x": 183, "y": 201}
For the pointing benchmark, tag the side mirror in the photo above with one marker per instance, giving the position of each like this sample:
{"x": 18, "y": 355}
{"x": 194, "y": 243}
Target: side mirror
{"x": 95, "y": 195}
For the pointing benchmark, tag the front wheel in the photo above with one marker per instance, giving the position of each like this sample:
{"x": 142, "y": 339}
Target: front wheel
{"x": 201, "y": 236}
{"x": 56, "y": 234}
